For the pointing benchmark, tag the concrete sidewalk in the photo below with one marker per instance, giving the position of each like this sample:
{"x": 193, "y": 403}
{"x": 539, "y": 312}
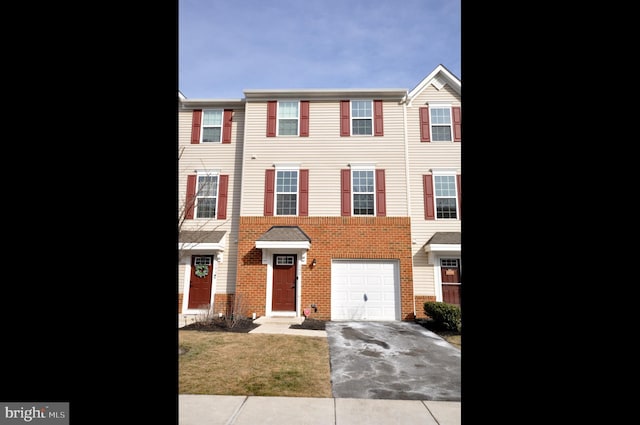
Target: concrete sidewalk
{"x": 252, "y": 410}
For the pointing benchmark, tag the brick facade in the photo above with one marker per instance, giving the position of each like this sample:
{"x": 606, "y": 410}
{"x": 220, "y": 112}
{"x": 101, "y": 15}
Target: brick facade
{"x": 420, "y": 300}
{"x": 331, "y": 238}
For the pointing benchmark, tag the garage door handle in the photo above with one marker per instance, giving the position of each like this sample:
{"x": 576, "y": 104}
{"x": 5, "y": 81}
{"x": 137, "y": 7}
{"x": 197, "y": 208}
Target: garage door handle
{"x": 365, "y": 297}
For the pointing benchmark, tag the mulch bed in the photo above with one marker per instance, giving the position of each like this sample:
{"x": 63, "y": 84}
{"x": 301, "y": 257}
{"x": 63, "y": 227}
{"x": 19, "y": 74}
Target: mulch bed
{"x": 221, "y": 325}
{"x": 244, "y": 326}
{"x": 310, "y": 324}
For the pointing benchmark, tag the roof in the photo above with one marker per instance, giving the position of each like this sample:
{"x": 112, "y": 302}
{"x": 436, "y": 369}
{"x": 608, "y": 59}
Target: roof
{"x": 445, "y": 238}
{"x": 285, "y": 237}
{"x": 207, "y": 240}
{"x": 326, "y": 94}
{"x": 201, "y": 236}
{"x": 284, "y": 233}
{"x": 439, "y": 77}
{"x": 444, "y": 242}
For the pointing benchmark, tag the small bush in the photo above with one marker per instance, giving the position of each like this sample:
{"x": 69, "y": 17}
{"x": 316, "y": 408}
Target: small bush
{"x": 446, "y": 315}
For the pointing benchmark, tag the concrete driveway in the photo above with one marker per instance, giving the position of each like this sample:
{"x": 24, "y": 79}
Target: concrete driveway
{"x": 392, "y": 360}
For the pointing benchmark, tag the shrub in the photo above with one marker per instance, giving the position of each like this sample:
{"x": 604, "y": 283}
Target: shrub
{"x": 446, "y": 315}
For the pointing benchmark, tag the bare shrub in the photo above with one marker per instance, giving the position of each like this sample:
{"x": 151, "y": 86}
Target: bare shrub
{"x": 238, "y": 311}
{"x": 205, "y": 315}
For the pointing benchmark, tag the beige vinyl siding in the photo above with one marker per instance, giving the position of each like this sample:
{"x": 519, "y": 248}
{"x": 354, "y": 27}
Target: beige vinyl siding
{"x": 324, "y": 153}
{"x": 422, "y": 158}
{"x": 227, "y": 159}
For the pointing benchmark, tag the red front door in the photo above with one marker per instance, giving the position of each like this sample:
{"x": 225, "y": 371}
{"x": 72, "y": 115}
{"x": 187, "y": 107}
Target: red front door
{"x": 200, "y": 281}
{"x": 451, "y": 285}
{"x": 284, "y": 283}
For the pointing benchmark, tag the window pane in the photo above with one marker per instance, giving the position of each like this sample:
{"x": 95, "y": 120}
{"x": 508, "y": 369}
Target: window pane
{"x": 206, "y": 207}
{"x": 441, "y": 134}
{"x": 286, "y": 204}
{"x": 361, "y": 108}
{"x": 363, "y": 181}
{"x": 287, "y": 181}
{"x": 211, "y": 134}
{"x": 207, "y": 185}
{"x": 363, "y": 204}
{"x": 446, "y": 208}
{"x": 362, "y": 127}
{"x": 288, "y": 127}
{"x": 212, "y": 117}
{"x": 288, "y": 110}
{"x": 445, "y": 185}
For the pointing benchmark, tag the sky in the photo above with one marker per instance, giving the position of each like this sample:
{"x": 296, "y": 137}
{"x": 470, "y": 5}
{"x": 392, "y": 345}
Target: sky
{"x": 228, "y": 46}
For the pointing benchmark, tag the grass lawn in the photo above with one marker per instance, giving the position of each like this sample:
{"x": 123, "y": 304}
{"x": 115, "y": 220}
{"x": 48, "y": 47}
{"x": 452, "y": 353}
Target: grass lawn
{"x": 232, "y": 363}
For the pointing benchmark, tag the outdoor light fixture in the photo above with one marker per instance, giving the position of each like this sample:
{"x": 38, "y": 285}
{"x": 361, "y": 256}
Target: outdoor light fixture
{"x": 313, "y": 263}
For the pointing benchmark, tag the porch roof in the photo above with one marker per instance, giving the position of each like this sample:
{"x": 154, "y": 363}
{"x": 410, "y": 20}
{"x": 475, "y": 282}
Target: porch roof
{"x": 284, "y": 237}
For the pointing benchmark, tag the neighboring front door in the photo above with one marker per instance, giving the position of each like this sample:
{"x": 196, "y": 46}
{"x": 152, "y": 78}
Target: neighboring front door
{"x": 200, "y": 281}
{"x": 284, "y": 283}
{"x": 451, "y": 285}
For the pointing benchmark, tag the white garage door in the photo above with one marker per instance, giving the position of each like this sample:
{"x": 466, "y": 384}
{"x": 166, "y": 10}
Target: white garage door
{"x": 365, "y": 290}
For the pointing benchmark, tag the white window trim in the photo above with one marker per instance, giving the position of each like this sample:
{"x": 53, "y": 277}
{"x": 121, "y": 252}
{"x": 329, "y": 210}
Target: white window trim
{"x": 206, "y": 173}
{"x": 451, "y": 172}
{"x": 436, "y": 105}
{"x": 353, "y": 193}
{"x": 286, "y": 167}
{"x": 351, "y": 117}
{"x": 278, "y": 118}
{"x": 202, "y": 126}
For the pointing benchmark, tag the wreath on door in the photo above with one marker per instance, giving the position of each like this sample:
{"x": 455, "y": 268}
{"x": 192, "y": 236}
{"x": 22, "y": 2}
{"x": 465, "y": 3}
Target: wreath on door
{"x": 202, "y": 270}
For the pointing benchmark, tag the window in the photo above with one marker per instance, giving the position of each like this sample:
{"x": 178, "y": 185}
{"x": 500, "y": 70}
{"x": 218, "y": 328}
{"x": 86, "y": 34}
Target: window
{"x": 363, "y": 187}
{"x": 284, "y": 260}
{"x": 440, "y": 123}
{"x": 206, "y": 196}
{"x": 288, "y": 118}
{"x": 445, "y": 196}
{"x": 286, "y": 192}
{"x": 211, "y": 126}
{"x": 361, "y": 117}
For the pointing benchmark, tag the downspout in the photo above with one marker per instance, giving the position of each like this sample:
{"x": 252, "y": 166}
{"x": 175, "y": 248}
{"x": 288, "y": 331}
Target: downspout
{"x": 408, "y": 186}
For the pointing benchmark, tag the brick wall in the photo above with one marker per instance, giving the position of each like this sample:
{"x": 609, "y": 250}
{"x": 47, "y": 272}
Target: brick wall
{"x": 420, "y": 300}
{"x": 180, "y": 303}
{"x": 331, "y": 238}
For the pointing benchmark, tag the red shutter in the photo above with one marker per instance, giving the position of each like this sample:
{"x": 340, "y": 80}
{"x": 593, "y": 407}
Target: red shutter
{"x": 381, "y": 197}
{"x": 303, "y": 202}
{"x": 269, "y": 183}
{"x": 345, "y": 121}
{"x": 226, "y": 125}
{"x": 429, "y": 213}
{"x": 191, "y": 196}
{"x": 457, "y": 124}
{"x": 345, "y": 192}
{"x": 377, "y": 118}
{"x": 272, "y": 105}
{"x": 223, "y": 186}
{"x": 459, "y": 178}
{"x": 424, "y": 125}
{"x": 304, "y": 118}
{"x": 195, "y": 126}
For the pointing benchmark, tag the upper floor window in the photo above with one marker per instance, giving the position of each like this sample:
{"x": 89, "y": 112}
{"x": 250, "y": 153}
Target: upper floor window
{"x": 286, "y": 192}
{"x": 363, "y": 191}
{"x": 206, "y": 196}
{"x": 440, "y": 123}
{"x": 212, "y": 125}
{"x": 361, "y": 117}
{"x": 288, "y": 118}
{"x": 445, "y": 196}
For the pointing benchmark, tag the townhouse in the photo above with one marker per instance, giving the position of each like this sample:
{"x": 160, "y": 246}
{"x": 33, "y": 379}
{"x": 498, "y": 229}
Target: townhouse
{"x": 338, "y": 204}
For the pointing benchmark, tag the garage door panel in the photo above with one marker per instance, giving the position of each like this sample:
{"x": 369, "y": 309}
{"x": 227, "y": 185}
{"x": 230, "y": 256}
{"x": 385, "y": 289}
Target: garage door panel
{"x": 352, "y": 279}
